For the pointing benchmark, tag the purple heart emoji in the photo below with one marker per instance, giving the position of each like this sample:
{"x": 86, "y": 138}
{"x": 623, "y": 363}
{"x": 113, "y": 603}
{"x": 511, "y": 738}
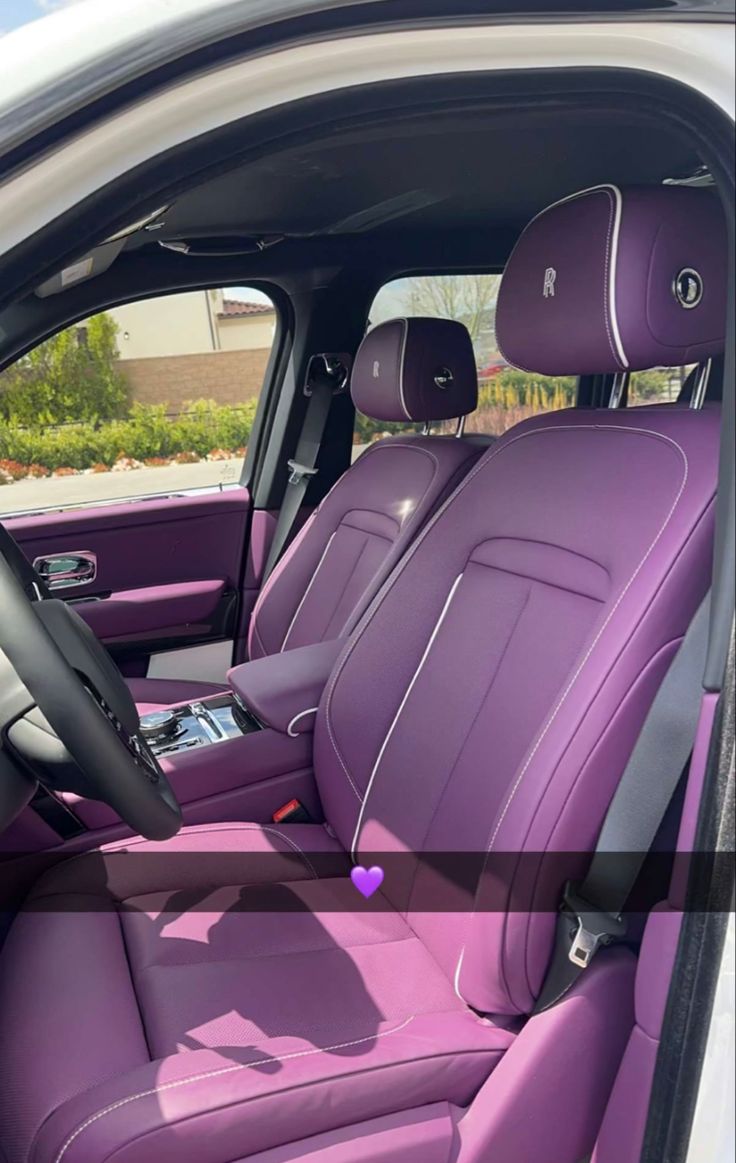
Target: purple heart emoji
{"x": 367, "y": 880}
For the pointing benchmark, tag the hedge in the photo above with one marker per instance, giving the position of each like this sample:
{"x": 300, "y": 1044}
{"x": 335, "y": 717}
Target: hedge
{"x": 507, "y": 392}
{"x": 148, "y": 433}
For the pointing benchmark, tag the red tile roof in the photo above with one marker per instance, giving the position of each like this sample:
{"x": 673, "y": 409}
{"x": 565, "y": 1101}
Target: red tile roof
{"x": 231, "y": 308}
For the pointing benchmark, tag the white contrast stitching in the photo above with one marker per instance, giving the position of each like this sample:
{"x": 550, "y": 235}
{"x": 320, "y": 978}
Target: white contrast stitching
{"x": 123, "y": 845}
{"x": 218, "y": 1073}
{"x": 290, "y": 842}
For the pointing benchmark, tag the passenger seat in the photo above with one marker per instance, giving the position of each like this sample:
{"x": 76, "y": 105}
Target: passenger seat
{"x": 415, "y": 370}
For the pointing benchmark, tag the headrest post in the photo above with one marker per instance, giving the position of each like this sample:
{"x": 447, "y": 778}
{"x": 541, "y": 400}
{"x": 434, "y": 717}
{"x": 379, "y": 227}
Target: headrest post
{"x": 427, "y": 428}
{"x": 460, "y": 430}
{"x": 620, "y": 384}
{"x": 701, "y": 384}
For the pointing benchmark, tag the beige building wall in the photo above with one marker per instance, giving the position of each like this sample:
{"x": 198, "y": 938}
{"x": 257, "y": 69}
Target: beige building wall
{"x": 171, "y": 325}
{"x": 188, "y": 323}
{"x": 246, "y": 332}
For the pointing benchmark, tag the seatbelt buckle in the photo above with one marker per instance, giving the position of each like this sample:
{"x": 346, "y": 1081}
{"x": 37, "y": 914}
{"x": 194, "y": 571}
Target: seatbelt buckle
{"x": 292, "y": 813}
{"x": 299, "y": 471}
{"x": 593, "y": 927}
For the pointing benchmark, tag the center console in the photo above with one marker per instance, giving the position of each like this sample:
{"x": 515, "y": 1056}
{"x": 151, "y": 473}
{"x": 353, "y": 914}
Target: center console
{"x": 183, "y": 728}
{"x": 242, "y": 754}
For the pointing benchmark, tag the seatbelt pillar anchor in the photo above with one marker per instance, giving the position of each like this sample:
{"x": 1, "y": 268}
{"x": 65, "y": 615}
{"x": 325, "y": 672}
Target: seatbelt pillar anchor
{"x": 593, "y": 927}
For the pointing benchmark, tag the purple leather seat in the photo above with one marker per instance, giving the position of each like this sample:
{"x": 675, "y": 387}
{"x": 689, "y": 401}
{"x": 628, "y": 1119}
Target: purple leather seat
{"x": 486, "y": 703}
{"x": 405, "y": 370}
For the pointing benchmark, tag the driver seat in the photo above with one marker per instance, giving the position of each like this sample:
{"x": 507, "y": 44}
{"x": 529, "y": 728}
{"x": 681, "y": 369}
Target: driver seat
{"x": 352, "y": 541}
{"x": 228, "y": 996}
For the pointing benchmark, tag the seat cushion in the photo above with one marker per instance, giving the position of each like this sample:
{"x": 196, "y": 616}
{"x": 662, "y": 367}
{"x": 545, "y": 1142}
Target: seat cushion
{"x": 152, "y": 694}
{"x": 207, "y": 1024}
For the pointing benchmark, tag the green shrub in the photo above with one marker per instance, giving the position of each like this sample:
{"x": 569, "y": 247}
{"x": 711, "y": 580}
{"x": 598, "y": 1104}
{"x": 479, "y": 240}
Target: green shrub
{"x": 147, "y": 433}
{"x": 510, "y": 393}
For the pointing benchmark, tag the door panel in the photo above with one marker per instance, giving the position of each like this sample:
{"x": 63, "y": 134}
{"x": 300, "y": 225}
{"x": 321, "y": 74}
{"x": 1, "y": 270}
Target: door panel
{"x": 168, "y": 568}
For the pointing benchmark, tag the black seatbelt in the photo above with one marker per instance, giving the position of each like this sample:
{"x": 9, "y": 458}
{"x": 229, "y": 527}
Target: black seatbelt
{"x": 326, "y": 377}
{"x": 590, "y": 913}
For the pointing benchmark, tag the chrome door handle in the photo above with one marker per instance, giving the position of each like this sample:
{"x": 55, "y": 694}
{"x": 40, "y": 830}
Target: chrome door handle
{"x": 62, "y": 570}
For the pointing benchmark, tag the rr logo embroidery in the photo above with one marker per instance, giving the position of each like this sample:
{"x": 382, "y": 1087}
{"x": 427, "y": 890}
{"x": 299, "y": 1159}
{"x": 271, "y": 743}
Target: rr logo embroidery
{"x": 550, "y": 276}
{"x": 376, "y": 369}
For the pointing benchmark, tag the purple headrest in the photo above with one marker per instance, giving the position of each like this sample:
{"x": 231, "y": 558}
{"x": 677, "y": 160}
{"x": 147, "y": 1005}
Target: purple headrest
{"x": 415, "y": 369}
{"x": 613, "y": 280}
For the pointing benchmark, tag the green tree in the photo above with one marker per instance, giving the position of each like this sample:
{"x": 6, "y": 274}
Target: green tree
{"x": 71, "y": 377}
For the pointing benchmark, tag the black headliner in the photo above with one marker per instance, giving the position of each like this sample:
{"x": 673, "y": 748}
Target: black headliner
{"x": 458, "y": 170}
{"x": 481, "y": 155}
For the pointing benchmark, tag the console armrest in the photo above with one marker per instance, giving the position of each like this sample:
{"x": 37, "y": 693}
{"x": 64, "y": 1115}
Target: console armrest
{"x": 283, "y": 690}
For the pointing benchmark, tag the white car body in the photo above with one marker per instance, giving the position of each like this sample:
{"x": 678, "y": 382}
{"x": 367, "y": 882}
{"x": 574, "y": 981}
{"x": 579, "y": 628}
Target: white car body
{"x": 49, "y": 52}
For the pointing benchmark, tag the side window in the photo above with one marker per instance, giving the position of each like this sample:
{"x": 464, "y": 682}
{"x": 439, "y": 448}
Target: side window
{"x": 505, "y": 395}
{"x": 660, "y": 385}
{"x": 156, "y": 396}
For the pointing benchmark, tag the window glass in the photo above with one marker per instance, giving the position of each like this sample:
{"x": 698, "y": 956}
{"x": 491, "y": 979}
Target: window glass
{"x": 505, "y": 395}
{"x": 660, "y": 385}
{"x": 156, "y": 396}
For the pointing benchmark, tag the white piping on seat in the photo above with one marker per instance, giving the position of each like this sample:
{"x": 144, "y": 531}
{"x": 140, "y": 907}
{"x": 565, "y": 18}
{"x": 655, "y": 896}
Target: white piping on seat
{"x": 218, "y": 1073}
{"x": 295, "y": 734}
{"x": 402, "y": 704}
{"x": 312, "y": 580}
{"x": 402, "y": 359}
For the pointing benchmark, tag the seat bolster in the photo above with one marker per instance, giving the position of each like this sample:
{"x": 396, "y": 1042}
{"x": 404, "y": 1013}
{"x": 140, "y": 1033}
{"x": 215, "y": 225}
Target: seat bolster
{"x": 193, "y": 1107}
{"x": 70, "y": 1017}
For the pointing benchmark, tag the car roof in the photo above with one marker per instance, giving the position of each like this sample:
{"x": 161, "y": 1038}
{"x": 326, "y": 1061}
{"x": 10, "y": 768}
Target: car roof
{"x": 57, "y": 67}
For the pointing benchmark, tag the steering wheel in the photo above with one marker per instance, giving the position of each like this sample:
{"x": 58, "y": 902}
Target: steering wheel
{"x": 83, "y": 698}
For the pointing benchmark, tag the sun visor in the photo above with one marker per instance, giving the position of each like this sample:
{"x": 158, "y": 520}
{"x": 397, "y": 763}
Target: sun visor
{"x": 87, "y": 267}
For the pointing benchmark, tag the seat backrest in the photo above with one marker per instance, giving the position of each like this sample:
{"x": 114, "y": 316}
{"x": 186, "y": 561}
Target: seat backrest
{"x": 405, "y": 370}
{"x": 489, "y": 698}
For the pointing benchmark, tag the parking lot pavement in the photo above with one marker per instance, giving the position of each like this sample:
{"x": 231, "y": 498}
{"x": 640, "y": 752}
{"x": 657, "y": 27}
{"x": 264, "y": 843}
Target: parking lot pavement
{"x": 58, "y": 492}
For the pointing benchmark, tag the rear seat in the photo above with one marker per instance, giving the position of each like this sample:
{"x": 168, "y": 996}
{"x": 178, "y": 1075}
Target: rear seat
{"x": 410, "y": 370}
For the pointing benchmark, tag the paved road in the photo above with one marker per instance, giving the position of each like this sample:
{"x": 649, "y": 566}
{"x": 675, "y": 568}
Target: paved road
{"x": 92, "y": 489}
{"x": 58, "y": 492}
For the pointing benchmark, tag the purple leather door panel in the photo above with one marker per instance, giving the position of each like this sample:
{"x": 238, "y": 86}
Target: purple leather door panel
{"x": 168, "y": 568}
{"x": 181, "y": 609}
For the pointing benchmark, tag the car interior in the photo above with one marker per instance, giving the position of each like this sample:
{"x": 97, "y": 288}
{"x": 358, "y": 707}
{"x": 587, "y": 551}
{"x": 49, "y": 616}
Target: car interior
{"x": 328, "y": 906}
